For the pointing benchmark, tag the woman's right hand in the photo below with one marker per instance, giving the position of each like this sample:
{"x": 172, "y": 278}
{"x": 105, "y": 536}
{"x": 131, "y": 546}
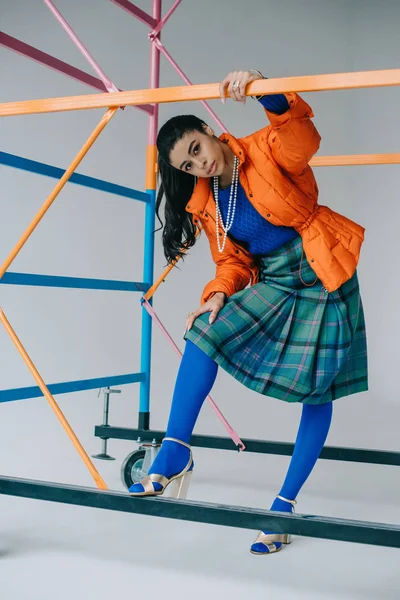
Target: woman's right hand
{"x": 212, "y": 306}
{"x": 237, "y": 82}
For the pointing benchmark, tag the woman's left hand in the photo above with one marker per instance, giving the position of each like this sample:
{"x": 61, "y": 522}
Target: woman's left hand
{"x": 237, "y": 82}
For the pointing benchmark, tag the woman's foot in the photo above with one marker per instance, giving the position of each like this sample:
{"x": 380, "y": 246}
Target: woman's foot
{"x": 268, "y": 542}
{"x": 173, "y": 460}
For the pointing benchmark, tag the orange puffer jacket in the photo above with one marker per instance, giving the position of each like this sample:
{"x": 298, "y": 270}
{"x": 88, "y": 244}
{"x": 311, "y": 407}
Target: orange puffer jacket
{"x": 278, "y": 181}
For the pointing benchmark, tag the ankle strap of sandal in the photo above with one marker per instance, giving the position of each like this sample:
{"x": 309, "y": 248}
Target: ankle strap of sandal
{"x": 292, "y": 502}
{"x": 170, "y": 439}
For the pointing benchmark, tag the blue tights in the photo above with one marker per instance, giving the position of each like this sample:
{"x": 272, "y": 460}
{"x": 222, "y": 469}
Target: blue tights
{"x": 313, "y": 430}
{"x": 196, "y": 377}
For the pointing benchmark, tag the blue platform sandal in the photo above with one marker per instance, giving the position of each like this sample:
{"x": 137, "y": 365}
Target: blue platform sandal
{"x": 266, "y": 543}
{"x": 178, "y": 483}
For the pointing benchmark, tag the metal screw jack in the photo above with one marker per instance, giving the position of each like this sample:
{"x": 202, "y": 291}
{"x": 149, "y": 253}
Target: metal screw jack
{"x": 103, "y": 454}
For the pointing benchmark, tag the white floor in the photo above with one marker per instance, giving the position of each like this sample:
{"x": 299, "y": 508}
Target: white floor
{"x": 50, "y": 551}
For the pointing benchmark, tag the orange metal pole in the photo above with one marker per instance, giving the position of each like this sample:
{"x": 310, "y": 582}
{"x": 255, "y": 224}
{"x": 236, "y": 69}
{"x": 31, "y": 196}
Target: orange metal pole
{"x": 78, "y": 158}
{"x": 355, "y": 160}
{"x": 151, "y": 291}
{"x": 93, "y": 471}
{"x": 151, "y": 167}
{"x": 208, "y": 91}
{"x": 318, "y": 161}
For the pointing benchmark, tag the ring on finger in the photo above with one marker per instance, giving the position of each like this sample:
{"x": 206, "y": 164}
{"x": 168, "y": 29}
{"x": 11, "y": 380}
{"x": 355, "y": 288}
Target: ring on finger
{"x": 235, "y": 84}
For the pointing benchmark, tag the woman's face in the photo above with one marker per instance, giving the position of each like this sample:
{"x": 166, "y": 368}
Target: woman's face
{"x": 200, "y": 154}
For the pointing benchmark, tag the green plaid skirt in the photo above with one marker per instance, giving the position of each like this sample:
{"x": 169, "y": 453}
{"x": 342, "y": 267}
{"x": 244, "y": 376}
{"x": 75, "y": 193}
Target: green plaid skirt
{"x": 289, "y": 341}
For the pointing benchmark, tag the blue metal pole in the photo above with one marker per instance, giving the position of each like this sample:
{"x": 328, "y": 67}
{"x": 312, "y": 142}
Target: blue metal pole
{"x": 148, "y": 273}
{"x": 151, "y": 185}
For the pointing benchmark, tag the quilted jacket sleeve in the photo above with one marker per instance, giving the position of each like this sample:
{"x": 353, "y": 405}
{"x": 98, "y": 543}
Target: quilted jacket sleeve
{"x": 292, "y": 137}
{"x": 231, "y": 276}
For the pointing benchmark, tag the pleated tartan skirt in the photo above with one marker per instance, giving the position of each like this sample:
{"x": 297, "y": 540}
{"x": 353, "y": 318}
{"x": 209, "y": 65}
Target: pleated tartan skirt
{"x": 288, "y": 340}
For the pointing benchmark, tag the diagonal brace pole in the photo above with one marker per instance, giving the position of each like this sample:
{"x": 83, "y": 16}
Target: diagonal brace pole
{"x": 167, "y": 55}
{"x": 92, "y": 469}
{"x": 81, "y": 47}
{"x": 135, "y": 11}
{"x": 58, "y": 65}
{"x": 60, "y": 184}
{"x": 161, "y": 24}
{"x": 235, "y": 437}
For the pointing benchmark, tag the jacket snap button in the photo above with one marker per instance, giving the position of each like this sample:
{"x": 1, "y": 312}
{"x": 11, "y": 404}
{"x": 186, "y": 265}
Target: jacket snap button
{"x": 312, "y": 260}
{"x": 188, "y": 205}
{"x": 201, "y": 212}
{"x": 237, "y": 251}
{"x": 251, "y": 195}
{"x": 269, "y": 214}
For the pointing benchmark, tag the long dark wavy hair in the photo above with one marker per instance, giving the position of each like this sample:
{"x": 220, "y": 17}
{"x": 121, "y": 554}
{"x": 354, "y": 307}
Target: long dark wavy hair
{"x": 177, "y": 187}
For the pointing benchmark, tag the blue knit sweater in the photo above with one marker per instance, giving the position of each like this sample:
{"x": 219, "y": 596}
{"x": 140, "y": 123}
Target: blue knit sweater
{"x": 249, "y": 228}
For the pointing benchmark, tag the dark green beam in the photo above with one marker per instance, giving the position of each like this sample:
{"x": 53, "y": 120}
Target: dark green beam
{"x": 364, "y": 532}
{"x": 378, "y": 457}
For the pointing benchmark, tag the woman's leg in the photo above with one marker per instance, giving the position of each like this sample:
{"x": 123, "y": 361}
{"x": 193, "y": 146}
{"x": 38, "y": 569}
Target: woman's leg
{"x": 196, "y": 376}
{"x": 313, "y": 430}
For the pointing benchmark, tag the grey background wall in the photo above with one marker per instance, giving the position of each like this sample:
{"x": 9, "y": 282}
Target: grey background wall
{"x": 74, "y": 334}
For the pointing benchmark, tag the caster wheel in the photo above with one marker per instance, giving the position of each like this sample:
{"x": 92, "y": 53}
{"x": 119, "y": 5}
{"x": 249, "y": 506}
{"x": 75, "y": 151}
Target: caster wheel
{"x": 131, "y": 470}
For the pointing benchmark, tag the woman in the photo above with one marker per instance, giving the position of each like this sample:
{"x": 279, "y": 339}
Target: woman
{"x": 297, "y": 333}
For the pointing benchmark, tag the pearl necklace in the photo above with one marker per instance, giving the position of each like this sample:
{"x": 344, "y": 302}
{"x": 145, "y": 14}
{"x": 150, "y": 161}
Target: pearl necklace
{"x": 231, "y": 205}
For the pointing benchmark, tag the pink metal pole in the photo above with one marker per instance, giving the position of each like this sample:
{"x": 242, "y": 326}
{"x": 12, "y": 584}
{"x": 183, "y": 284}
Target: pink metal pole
{"x": 235, "y": 437}
{"x": 156, "y": 42}
{"x": 50, "y": 61}
{"x": 161, "y": 24}
{"x": 70, "y": 32}
{"x": 136, "y": 12}
{"x": 154, "y": 76}
{"x": 58, "y": 65}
